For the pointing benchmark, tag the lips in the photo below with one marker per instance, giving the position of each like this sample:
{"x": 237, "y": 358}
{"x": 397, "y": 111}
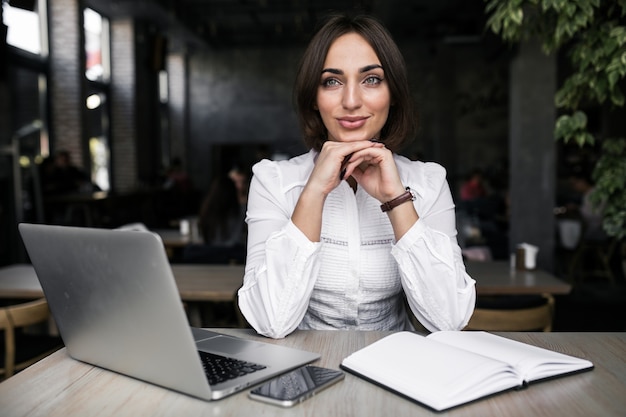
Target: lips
{"x": 352, "y": 122}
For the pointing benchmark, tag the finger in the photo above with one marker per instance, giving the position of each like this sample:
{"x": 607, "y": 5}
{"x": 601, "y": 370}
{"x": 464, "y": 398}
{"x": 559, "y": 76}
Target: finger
{"x": 354, "y": 164}
{"x": 360, "y": 146}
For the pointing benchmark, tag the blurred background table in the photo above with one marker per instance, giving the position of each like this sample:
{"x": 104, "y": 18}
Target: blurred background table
{"x": 195, "y": 282}
{"x": 498, "y": 278}
{"x": 201, "y": 287}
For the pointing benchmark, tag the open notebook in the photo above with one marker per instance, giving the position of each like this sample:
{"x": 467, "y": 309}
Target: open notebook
{"x": 116, "y": 304}
{"x": 449, "y": 368}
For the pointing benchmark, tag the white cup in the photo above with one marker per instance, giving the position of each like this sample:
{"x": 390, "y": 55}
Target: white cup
{"x": 530, "y": 255}
{"x": 185, "y": 227}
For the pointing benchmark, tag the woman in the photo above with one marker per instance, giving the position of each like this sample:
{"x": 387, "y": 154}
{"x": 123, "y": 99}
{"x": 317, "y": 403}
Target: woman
{"x": 324, "y": 250}
{"x": 221, "y": 219}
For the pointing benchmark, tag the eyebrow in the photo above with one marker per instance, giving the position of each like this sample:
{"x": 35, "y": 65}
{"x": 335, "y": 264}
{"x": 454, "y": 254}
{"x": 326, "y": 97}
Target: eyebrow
{"x": 361, "y": 70}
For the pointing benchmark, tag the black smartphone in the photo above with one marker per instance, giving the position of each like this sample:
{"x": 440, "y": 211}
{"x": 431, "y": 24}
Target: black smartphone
{"x": 296, "y": 386}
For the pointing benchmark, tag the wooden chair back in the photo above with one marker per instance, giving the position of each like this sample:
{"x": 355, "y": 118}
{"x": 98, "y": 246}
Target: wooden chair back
{"x": 14, "y": 317}
{"x": 513, "y": 320}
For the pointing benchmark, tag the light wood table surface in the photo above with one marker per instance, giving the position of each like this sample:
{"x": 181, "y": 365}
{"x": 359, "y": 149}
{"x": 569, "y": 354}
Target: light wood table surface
{"x": 61, "y": 386}
{"x": 498, "y": 278}
{"x": 197, "y": 282}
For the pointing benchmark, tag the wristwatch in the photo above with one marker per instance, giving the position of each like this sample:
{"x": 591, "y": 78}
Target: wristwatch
{"x": 401, "y": 199}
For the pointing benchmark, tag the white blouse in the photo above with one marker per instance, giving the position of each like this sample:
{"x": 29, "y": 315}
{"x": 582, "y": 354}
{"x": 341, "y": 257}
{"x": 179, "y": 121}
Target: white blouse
{"x": 355, "y": 277}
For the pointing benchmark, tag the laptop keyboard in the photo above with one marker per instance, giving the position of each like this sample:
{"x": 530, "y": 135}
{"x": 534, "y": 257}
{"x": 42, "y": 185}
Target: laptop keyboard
{"x": 221, "y": 368}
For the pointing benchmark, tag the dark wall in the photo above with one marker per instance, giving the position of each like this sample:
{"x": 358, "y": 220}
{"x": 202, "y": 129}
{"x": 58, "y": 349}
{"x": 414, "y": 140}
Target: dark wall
{"x": 461, "y": 90}
{"x": 240, "y": 97}
{"x": 244, "y": 97}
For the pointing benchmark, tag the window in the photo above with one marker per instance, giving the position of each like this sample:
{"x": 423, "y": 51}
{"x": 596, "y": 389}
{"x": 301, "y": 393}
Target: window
{"x": 97, "y": 72}
{"x": 27, "y": 29}
{"x": 96, "y": 46}
{"x": 164, "y": 96}
{"x": 23, "y": 68}
{"x": 97, "y": 125}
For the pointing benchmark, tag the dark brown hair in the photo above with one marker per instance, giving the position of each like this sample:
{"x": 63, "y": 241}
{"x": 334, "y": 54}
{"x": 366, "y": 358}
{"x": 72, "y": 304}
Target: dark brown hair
{"x": 402, "y": 121}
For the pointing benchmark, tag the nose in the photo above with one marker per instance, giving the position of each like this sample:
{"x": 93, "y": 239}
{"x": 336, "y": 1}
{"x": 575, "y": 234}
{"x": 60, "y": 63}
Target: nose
{"x": 351, "y": 96}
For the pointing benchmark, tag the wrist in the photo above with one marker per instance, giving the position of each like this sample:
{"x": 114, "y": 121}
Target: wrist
{"x": 400, "y": 199}
{"x": 314, "y": 190}
{"x": 312, "y": 197}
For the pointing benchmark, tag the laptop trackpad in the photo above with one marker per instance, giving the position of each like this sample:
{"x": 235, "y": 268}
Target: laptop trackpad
{"x": 226, "y": 344}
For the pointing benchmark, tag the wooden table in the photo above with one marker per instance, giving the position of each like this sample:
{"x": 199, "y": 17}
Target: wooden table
{"x": 195, "y": 282}
{"x": 175, "y": 242}
{"x": 498, "y": 278}
{"x": 60, "y": 386}
{"x": 173, "y": 238}
{"x": 202, "y": 282}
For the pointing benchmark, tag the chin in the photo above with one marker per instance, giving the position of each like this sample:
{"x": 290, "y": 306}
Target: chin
{"x": 353, "y": 138}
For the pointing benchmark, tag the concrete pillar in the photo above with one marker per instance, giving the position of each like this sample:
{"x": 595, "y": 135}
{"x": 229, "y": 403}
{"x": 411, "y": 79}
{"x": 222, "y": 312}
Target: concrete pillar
{"x": 532, "y": 151}
{"x": 66, "y": 78}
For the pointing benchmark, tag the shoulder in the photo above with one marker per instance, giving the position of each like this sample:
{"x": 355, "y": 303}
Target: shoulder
{"x": 286, "y": 174}
{"x": 422, "y": 177}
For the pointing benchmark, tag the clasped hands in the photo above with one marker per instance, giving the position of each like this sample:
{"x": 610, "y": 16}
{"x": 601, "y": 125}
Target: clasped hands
{"x": 369, "y": 163}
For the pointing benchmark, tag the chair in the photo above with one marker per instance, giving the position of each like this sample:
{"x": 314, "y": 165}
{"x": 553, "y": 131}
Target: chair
{"x": 216, "y": 314}
{"x": 516, "y": 319}
{"x": 590, "y": 257}
{"x": 216, "y": 255}
{"x": 22, "y": 348}
{"x": 594, "y": 258}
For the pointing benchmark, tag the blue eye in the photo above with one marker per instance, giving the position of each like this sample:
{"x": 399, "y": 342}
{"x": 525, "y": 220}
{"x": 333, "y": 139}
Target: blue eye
{"x": 330, "y": 82}
{"x": 373, "y": 80}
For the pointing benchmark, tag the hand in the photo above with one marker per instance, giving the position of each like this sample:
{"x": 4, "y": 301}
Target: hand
{"x": 332, "y": 160}
{"x": 375, "y": 170}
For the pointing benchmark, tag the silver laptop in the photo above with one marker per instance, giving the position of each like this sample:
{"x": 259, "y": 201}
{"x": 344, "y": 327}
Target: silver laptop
{"x": 116, "y": 305}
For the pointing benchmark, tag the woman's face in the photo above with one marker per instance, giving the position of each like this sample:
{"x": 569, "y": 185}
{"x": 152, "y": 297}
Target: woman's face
{"x": 353, "y": 97}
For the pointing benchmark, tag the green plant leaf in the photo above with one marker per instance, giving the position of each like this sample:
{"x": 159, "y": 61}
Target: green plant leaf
{"x": 592, "y": 35}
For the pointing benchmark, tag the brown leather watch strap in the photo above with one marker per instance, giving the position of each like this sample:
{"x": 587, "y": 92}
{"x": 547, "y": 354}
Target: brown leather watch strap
{"x": 401, "y": 199}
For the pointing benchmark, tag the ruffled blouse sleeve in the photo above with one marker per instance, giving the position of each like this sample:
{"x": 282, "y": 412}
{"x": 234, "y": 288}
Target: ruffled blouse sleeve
{"x": 439, "y": 291}
{"x": 281, "y": 264}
